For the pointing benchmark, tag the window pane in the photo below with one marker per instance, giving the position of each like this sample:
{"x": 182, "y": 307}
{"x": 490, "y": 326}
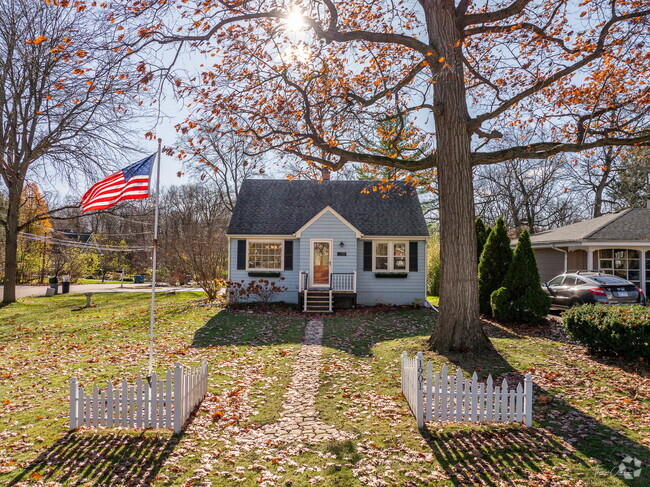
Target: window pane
{"x": 264, "y": 255}
{"x": 381, "y": 249}
{"x": 569, "y": 281}
{"x": 381, "y": 263}
{"x": 620, "y": 253}
{"x": 605, "y": 253}
{"x": 633, "y": 264}
{"x": 633, "y": 254}
{"x": 556, "y": 281}
{"x": 399, "y": 250}
{"x": 400, "y": 263}
{"x": 606, "y": 264}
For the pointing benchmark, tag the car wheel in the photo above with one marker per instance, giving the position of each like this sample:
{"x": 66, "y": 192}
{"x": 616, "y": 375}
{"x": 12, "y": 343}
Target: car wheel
{"x": 575, "y": 302}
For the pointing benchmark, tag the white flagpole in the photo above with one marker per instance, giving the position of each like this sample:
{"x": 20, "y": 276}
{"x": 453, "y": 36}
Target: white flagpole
{"x": 152, "y": 312}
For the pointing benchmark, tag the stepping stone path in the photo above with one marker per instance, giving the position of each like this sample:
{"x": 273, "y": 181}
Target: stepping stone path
{"x": 299, "y": 419}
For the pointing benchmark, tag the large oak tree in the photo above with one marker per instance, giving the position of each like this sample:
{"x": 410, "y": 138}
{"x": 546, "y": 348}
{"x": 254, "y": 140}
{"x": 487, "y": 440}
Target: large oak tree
{"x": 308, "y": 79}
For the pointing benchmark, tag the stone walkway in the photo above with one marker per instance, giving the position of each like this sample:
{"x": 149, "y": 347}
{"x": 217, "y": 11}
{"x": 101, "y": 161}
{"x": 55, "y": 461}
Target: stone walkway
{"x": 299, "y": 419}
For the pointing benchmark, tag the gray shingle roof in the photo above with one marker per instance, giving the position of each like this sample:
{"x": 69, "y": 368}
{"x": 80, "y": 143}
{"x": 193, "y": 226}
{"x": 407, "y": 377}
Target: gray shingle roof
{"x": 630, "y": 224}
{"x": 282, "y": 207}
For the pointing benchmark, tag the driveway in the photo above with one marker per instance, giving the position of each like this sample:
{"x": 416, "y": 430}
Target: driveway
{"x": 30, "y": 291}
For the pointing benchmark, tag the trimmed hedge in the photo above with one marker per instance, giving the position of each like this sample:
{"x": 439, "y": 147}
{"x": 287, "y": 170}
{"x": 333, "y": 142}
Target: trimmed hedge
{"x": 492, "y": 268}
{"x": 621, "y": 330}
{"x": 521, "y": 299}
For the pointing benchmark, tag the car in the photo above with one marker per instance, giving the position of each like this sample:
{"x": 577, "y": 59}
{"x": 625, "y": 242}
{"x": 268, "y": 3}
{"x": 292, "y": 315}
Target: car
{"x": 583, "y": 287}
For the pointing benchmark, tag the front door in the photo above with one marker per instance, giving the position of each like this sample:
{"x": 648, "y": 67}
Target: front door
{"x": 320, "y": 262}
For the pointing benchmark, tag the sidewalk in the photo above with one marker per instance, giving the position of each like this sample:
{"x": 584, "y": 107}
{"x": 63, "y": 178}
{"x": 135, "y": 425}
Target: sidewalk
{"x": 39, "y": 290}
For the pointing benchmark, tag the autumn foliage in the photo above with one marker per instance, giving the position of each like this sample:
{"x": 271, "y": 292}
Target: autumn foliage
{"x": 310, "y": 81}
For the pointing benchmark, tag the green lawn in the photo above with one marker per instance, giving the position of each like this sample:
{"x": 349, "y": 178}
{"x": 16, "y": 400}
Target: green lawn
{"x": 589, "y": 413}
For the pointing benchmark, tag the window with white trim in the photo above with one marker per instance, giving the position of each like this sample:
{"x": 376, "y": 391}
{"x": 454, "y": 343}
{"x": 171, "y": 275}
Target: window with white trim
{"x": 265, "y": 255}
{"x": 623, "y": 263}
{"x": 390, "y": 256}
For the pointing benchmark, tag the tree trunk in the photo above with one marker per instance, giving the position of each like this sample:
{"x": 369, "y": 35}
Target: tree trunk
{"x": 602, "y": 184}
{"x": 459, "y": 327}
{"x": 11, "y": 245}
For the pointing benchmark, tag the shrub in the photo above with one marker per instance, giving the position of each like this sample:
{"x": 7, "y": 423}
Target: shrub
{"x": 433, "y": 265}
{"x": 521, "y": 298}
{"x": 482, "y": 233}
{"x": 492, "y": 268}
{"x": 236, "y": 292}
{"x": 264, "y": 290}
{"x": 621, "y": 330}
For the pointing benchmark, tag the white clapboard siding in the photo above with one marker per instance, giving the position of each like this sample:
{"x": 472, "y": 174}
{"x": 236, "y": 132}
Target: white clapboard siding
{"x": 151, "y": 402}
{"x": 442, "y": 396}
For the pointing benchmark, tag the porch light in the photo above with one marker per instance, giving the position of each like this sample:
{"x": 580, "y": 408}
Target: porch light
{"x": 341, "y": 245}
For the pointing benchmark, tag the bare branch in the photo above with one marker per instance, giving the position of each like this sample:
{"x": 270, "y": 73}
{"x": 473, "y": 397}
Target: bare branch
{"x": 511, "y": 10}
{"x": 568, "y": 70}
{"x": 542, "y": 150}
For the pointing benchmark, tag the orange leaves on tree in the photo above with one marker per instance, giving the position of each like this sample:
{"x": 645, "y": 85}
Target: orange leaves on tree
{"x": 37, "y": 40}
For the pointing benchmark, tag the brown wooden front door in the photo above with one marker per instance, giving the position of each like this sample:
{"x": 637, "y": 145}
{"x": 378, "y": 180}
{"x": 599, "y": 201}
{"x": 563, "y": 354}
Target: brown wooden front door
{"x": 321, "y": 263}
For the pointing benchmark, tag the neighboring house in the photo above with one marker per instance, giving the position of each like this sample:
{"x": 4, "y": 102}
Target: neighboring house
{"x": 83, "y": 237}
{"x": 617, "y": 243}
{"x": 336, "y": 243}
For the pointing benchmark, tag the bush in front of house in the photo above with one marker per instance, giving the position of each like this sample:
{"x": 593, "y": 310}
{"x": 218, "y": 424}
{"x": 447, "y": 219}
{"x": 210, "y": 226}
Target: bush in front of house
{"x": 492, "y": 268}
{"x": 521, "y": 298}
{"x": 620, "y": 330}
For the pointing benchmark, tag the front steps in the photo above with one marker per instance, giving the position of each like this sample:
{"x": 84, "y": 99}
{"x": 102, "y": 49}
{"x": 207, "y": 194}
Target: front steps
{"x": 317, "y": 301}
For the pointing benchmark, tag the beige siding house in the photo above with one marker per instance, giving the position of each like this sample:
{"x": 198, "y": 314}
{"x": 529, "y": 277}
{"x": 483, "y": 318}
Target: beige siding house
{"x": 618, "y": 243}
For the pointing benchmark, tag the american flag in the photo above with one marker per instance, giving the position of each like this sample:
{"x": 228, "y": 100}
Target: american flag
{"x": 131, "y": 183}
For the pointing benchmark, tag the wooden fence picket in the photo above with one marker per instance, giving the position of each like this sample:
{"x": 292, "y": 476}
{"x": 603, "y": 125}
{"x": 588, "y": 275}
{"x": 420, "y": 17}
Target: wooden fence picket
{"x": 151, "y": 403}
{"x": 489, "y": 399}
{"x": 441, "y": 396}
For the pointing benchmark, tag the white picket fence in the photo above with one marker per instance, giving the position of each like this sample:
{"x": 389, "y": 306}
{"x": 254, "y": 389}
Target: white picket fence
{"x": 149, "y": 403}
{"x": 443, "y": 397}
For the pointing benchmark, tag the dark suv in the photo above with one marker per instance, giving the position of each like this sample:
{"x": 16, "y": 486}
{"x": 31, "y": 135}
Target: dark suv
{"x": 573, "y": 288}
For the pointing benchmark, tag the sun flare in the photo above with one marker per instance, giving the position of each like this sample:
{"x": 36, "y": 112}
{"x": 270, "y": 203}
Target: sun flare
{"x": 295, "y": 20}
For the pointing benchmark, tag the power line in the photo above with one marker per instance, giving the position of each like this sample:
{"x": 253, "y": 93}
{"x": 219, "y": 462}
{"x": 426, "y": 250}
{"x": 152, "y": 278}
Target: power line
{"x": 101, "y": 234}
{"x": 80, "y": 245}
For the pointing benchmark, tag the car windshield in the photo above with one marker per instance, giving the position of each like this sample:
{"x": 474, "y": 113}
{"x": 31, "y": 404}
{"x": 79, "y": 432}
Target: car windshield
{"x": 608, "y": 280}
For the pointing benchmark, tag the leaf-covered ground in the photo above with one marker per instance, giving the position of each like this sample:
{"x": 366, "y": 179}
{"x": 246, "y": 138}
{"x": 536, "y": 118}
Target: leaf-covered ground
{"x": 589, "y": 413}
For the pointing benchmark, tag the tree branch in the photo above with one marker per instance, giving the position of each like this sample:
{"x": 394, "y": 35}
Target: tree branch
{"x": 499, "y": 29}
{"x": 513, "y": 9}
{"x": 598, "y": 52}
{"x": 543, "y": 150}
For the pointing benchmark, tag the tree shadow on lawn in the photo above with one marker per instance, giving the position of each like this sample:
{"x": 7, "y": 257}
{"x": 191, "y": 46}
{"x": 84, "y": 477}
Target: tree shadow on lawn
{"x": 553, "y": 331}
{"x": 105, "y": 458}
{"x": 358, "y": 331}
{"x": 351, "y": 331}
{"x": 491, "y": 454}
{"x": 227, "y": 328}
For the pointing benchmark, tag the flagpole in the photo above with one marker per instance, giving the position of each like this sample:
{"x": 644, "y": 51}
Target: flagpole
{"x": 152, "y": 312}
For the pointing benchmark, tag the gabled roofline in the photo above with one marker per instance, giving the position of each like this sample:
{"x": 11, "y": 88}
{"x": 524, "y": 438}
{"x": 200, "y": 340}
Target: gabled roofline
{"x": 590, "y": 243}
{"x": 618, "y": 215}
{"x": 357, "y": 233}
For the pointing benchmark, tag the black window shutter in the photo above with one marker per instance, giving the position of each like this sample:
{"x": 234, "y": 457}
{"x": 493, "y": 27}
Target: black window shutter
{"x": 413, "y": 256}
{"x": 367, "y": 256}
{"x": 288, "y": 255}
{"x": 241, "y": 255}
